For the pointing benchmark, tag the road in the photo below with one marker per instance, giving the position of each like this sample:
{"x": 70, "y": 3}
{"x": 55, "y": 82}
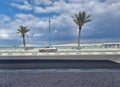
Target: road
{"x": 57, "y": 64}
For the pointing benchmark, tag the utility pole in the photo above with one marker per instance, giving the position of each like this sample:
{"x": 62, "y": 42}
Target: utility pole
{"x": 49, "y": 33}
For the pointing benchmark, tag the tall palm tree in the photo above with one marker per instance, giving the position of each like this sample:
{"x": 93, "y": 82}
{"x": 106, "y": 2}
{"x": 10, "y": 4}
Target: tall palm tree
{"x": 80, "y": 19}
{"x": 23, "y": 30}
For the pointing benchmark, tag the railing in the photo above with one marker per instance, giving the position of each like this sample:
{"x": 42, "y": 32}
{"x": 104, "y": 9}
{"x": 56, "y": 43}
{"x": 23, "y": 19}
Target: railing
{"x": 58, "y": 53}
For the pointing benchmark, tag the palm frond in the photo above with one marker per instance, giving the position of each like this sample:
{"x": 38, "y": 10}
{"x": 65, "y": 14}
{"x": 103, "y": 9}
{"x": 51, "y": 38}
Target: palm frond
{"x": 88, "y": 20}
{"x": 83, "y": 15}
{"x": 81, "y": 18}
{"x": 27, "y": 36}
{"x": 23, "y": 30}
{"x": 87, "y": 17}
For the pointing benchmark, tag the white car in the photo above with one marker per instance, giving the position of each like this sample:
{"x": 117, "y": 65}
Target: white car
{"x": 48, "y": 49}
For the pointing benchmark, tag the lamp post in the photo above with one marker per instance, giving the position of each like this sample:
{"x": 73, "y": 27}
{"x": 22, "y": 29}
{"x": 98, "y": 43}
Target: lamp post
{"x": 49, "y": 33}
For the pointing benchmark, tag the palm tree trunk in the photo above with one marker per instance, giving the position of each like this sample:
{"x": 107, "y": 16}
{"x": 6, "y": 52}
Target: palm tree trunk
{"x": 79, "y": 38}
{"x": 24, "y": 42}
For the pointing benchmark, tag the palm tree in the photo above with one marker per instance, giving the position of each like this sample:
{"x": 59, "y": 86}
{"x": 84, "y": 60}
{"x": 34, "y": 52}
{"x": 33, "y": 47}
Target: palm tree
{"x": 23, "y": 30}
{"x": 80, "y": 19}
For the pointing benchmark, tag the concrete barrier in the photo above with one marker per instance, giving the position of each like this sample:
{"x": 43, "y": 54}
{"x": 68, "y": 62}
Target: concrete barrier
{"x": 114, "y": 56}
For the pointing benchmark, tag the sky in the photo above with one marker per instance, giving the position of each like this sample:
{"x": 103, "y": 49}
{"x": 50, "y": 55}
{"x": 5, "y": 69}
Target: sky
{"x": 34, "y": 14}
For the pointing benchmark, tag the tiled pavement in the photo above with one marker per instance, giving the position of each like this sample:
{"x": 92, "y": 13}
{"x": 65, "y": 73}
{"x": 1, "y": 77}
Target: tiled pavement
{"x": 62, "y": 79}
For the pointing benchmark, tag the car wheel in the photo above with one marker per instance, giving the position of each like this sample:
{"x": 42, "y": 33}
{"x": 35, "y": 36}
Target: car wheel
{"x": 53, "y": 50}
{"x": 42, "y": 50}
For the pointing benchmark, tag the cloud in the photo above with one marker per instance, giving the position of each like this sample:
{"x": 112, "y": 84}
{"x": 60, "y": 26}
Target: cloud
{"x": 78, "y": 1}
{"x": 31, "y": 21}
{"x": 25, "y": 6}
{"x": 95, "y": 7}
{"x": 56, "y": 7}
{"x": 25, "y": 16}
{"x": 4, "y": 18}
{"x": 6, "y": 34}
{"x": 38, "y": 2}
{"x": 103, "y": 27}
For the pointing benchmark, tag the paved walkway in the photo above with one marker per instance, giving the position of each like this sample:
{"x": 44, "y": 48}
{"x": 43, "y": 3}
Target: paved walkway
{"x": 63, "y": 79}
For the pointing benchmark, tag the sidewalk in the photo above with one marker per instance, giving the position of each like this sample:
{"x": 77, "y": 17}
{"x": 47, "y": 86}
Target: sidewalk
{"x": 65, "y": 79}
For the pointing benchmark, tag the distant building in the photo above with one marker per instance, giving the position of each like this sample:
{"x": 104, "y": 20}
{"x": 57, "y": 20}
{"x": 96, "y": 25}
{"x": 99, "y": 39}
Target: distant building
{"x": 111, "y": 45}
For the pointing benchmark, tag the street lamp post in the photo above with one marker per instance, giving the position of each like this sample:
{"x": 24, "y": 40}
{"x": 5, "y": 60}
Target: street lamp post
{"x": 49, "y": 33}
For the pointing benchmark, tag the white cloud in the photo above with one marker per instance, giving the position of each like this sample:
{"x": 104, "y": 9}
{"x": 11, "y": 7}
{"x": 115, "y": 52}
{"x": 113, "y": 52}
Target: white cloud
{"x": 31, "y": 21}
{"x": 37, "y": 35}
{"x": 95, "y": 7}
{"x": 47, "y": 10}
{"x": 78, "y": 1}
{"x": 45, "y": 2}
{"x": 25, "y": 16}
{"x": 5, "y": 34}
{"x": 56, "y": 7}
{"x": 112, "y": 1}
{"x": 4, "y": 18}
{"x": 39, "y": 9}
{"x": 25, "y": 6}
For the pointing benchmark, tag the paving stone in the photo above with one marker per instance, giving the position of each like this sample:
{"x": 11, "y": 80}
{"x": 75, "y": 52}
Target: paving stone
{"x": 63, "y": 79}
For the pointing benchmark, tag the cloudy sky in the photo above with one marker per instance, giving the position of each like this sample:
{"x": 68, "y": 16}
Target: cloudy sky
{"x": 104, "y": 27}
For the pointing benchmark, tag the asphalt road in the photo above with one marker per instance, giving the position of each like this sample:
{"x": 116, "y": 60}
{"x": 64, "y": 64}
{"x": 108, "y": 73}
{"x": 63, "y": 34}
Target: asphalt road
{"x": 58, "y": 64}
